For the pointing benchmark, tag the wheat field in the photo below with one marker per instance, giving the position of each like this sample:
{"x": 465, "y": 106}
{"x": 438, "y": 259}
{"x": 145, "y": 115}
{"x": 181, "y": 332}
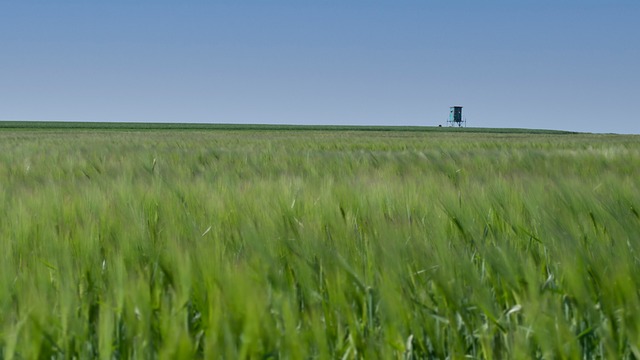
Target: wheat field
{"x": 318, "y": 244}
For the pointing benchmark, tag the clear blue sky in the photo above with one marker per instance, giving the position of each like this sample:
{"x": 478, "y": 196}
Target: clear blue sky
{"x": 563, "y": 64}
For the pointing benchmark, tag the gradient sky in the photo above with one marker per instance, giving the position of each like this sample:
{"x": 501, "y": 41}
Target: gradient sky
{"x": 564, "y": 64}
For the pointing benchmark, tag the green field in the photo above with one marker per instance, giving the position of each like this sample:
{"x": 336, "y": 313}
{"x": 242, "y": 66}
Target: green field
{"x": 262, "y": 242}
{"x": 133, "y": 126}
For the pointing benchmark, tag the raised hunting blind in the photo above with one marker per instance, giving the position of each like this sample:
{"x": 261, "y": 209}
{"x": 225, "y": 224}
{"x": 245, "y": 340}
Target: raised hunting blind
{"x": 455, "y": 117}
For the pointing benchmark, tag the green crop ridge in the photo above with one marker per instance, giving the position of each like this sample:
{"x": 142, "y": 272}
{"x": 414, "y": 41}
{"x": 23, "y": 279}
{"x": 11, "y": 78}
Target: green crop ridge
{"x": 68, "y": 125}
{"x": 276, "y": 243}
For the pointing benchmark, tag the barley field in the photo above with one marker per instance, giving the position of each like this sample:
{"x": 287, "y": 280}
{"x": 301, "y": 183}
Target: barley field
{"x": 231, "y": 243}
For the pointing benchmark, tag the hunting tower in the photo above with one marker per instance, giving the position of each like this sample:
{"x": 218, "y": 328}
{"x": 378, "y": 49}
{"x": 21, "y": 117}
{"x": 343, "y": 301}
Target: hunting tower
{"x": 455, "y": 117}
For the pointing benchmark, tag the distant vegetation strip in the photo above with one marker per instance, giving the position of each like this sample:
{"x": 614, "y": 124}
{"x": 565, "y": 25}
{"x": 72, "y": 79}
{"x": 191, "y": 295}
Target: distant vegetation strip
{"x": 48, "y": 125}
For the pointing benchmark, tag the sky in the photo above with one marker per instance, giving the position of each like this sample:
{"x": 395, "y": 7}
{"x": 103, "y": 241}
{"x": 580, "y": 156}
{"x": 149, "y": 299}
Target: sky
{"x": 541, "y": 64}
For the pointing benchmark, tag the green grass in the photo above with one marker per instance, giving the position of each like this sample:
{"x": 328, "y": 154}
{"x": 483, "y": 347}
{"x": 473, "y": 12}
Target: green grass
{"x": 288, "y": 244}
{"x": 75, "y": 125}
